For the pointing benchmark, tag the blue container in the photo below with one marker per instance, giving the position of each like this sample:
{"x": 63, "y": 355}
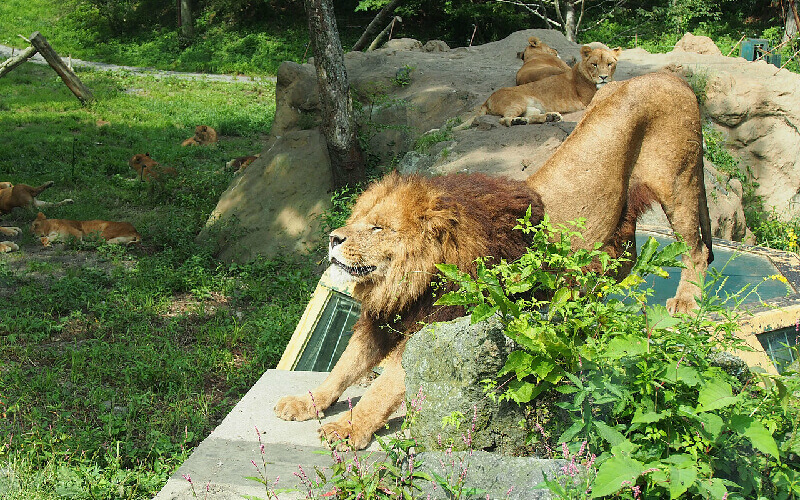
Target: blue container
{"x": 755, "y": 48}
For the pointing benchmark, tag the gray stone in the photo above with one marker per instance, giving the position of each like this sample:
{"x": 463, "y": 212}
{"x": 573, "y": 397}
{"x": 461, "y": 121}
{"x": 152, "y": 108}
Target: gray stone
{"x": 445, "y": 363}
{"x": 510, "y": 478}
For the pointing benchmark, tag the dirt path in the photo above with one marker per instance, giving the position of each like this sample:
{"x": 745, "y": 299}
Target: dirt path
{"x": 6, "y": 52}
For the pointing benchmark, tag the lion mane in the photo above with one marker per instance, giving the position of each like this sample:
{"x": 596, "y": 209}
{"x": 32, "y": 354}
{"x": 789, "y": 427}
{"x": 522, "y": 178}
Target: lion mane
{"x": 638, "y": 143}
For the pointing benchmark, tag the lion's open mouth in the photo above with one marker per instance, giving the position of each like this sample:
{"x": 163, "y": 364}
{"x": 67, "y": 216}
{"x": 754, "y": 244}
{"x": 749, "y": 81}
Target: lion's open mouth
{"x": 356, "y": 271}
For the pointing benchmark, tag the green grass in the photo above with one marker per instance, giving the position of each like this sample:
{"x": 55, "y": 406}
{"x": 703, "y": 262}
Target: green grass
{"x": 116, "y": 362}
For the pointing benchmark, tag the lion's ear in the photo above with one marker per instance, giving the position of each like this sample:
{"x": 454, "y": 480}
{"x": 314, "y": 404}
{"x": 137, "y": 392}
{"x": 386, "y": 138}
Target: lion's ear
{"x": 439, "y": 221}
{"x": 533, "y": 41}
{"x": 40, "y": 216}
{"x": 617, "y": 51}
{"x": 585, "y": 51}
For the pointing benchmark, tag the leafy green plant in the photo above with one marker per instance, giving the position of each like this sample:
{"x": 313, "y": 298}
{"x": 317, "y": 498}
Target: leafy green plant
{"x": 402, "y": 77}
{"x": 642, "y": 386}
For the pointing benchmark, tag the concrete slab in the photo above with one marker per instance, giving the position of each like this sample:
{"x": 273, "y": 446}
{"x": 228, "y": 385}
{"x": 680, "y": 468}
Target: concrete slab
{"x": 220, "y": 467}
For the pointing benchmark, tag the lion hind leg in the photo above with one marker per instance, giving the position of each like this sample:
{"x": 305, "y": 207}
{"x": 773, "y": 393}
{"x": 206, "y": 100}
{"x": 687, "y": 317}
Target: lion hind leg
{"x": 355, "y": 428}
{"x": 685, "y": 223}
{"x": 44, "y": 204}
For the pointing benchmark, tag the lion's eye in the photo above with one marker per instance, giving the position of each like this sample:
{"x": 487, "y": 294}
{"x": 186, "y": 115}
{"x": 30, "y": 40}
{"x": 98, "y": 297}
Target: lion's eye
{"x": 594, "y": 64}
{"x": 375, "y": 229}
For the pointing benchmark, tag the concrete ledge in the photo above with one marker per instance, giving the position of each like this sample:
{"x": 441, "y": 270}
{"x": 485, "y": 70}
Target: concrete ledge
{"x": 220, "y": 465}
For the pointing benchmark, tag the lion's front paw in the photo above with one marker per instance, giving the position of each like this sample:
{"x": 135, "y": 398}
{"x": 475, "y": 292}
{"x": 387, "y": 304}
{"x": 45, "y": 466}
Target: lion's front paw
{"x": 519, "y": 120}
{"x": 10, "y": 231}
{"x": 297, "y": 408}
{"x": 344, "y": 436}
{"x": 678, "y": 305}
{"x": 8, "y": 246}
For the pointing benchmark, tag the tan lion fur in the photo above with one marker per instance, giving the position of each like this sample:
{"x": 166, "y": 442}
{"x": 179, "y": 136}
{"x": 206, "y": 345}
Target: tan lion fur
{"x": 638, "y": 143}
{"x": 539, "y": 61}
{"x": 147, "y": 169}
{"x": 21, "y": 196}
{"x": 545, "y": 100}
{"x": 52, "y": 230}
{"x": 203, "y": 135}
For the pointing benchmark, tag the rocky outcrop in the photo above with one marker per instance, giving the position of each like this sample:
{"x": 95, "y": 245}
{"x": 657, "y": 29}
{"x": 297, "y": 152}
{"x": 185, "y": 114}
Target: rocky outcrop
{"x": 409, "y": 88}
{"x": 445, "y": 364}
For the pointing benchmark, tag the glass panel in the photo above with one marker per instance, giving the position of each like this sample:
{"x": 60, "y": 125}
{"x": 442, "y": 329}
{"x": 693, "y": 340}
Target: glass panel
{"x": 779, "y": 345}
{"x": 740, "y": 268}
{"x": 330, "y": 335}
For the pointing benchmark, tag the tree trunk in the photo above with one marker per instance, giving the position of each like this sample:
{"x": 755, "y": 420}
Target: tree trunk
{"x": 187, "y": 22}
{"x": 15, "y": 61}
{"x": 338, "y": 119}
{"x": 792, "y": 20}
{"x": 570, "y": 24}
{"x": 376, "y": 24}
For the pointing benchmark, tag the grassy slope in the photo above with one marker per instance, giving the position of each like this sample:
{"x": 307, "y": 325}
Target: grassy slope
{"x": 116, "y": 362}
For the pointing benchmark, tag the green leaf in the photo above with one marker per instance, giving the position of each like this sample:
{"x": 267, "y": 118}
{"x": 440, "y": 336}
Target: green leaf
{"x": 610, "y": 434}
{"x": 626, "y": 345}
{"x": 453, "y": 299}
{"x": 712, "y": 424}
{"x": 481, "y": 312}
{"x": 754, "y": 430}
{"x": 659, "y": 318}
{"x": 714, "y": 487}
{"x": 680, "y": 480}
{"x": 450, "y": 271}
{"x": 686, "y": 374}
{"x": 570, "y": 433}
{"x": 639, "y": 417}
{"x": 715, "y": 394}
{"x": 613, "y": 472}
{"x": 519, "y": 362}
{"x": 560, "y": 298}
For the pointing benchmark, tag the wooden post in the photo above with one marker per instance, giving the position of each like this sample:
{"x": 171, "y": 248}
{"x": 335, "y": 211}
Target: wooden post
{"x": 13, "y": 62}
{"x": 70, "y": 79}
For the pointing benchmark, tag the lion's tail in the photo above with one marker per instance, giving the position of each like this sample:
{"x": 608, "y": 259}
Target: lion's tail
{"x": 705, "y": 218}
{"x": 471, "y": 119}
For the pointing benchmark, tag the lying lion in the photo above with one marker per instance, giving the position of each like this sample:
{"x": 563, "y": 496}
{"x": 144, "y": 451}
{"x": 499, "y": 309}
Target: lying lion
{"x": 22, "y": 196}
{"x": 545, "y": 100}
{"x": 638, "y": 143}
{"x": 240, "y": 163}
{"x": 52, "y": 230}
{"x": 147, "y": 169}
{"x": 203, "y": 135}
{"x": 539, "y": 61}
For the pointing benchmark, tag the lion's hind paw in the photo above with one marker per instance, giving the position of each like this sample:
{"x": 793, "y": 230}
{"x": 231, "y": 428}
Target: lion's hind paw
{"x": 681, "y": 305}
{"x": 8, "y": 246}
{"x": 298, "y": 408}
{"x": 10, "y": 231}
{"x": 519, "y": 120}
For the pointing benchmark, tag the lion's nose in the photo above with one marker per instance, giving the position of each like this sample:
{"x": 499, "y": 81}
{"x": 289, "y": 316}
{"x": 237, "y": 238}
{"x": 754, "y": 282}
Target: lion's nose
{"x": 335, "y": 240}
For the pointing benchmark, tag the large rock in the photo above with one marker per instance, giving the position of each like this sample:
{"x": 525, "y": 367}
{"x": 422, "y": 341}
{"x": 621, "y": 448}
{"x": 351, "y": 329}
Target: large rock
{"x": 406, "y": 90}
{"x": 445, "y": 363}
{"x": 274, "y": 206}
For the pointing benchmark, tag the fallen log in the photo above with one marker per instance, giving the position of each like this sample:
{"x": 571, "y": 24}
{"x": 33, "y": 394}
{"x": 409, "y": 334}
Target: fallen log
{"x": 15, "y": 61}
{"x": 67, "y": 75}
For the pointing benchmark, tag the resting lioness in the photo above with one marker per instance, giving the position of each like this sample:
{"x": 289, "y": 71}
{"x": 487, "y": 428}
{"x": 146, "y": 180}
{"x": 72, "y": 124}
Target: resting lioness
{"x": 203, "y": 134}
{"x": 21, "y": 195}
{"x": 52, "y": 230}
{"x": 147, "y": 169}
{"x": 539, "y": 61}
{"x": 545, "y": 100}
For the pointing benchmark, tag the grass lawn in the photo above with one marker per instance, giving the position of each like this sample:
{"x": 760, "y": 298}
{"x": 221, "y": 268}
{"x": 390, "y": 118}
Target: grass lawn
{"x": 115, "y": 361}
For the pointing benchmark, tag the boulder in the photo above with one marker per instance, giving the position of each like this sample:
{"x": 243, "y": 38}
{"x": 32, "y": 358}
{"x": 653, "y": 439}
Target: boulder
{"x": 275, "y": 205}
{"x": 698, "y": 45}
{"x": 445, "y": 364}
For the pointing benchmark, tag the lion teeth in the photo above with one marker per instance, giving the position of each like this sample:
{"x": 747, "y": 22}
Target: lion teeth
{"x": 354, "y": 270}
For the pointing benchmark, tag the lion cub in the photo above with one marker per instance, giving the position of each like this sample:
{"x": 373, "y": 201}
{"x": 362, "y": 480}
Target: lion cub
{"x": 52, "y": 230}
{"x": 203, "y": 134}
{"x": 147, "y": 169}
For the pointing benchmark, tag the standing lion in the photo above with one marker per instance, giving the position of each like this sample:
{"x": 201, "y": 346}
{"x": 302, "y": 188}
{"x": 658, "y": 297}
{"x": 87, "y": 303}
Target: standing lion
{"x": 638, "y": 143}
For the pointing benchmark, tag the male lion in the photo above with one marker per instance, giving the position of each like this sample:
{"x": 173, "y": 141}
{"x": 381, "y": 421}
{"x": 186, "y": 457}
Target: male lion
{"x": 539, "y": 61}
{"x": 52, "y": 230}
{"x": 545, "y": 100}
{"x": 638, "y": 143}
{"x": 203, "y": 135}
